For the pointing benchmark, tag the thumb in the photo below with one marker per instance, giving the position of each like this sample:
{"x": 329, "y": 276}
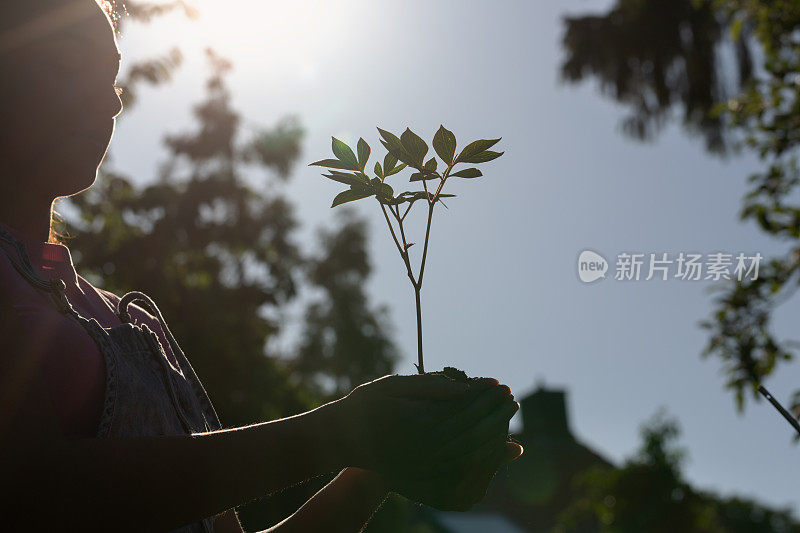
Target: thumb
{"x": 512, "y": 452}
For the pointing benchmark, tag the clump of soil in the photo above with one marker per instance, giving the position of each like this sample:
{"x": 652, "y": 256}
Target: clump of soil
{"x": 476, "y": 384}
{"x": 453, "y": 373}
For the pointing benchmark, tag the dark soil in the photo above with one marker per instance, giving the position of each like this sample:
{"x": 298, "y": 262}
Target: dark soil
{"x": 476, "y": 385}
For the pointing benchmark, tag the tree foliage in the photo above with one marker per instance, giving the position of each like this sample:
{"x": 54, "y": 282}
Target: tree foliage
{"x": 342, "y": 332}
{"x": 213, "y": 240}
{"x": 648, "y": 493}
{"x": 203, "y": 242}
{"x": 658, "y": 56}
{"x": 153, "y": 70}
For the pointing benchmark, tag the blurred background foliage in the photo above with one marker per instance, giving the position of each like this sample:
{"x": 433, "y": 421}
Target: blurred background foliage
{"x": 648, "y": 493}
{"x": 731, "y": 70}
{"x": 213, "y": 239}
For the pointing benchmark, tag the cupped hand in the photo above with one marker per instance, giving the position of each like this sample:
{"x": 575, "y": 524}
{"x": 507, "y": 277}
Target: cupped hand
{"x": 458, "y": 489}
{"x": 414, "y": 429}
{"x": 463, "y": 470}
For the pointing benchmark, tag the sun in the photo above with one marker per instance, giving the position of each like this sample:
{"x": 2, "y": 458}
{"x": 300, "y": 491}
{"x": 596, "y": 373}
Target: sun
{"x": 249, "y": 31}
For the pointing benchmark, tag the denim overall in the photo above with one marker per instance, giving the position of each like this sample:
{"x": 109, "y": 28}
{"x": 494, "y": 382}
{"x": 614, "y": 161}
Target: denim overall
{"x": 145, "y": 395}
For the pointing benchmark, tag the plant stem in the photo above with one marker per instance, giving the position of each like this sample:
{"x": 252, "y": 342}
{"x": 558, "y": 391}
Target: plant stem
{"x": 425, "y": 248}
{"x": 431, "y": 204}
{"x": 420, "y": 364}
{"x": 402, "y": 247}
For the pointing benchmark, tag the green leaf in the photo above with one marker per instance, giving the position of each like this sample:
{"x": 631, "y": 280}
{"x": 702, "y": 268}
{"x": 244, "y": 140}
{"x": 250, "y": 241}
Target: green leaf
{"x": 351, "y": 196}
{"x": 394, "y": 147}
{"x": 431, "y": 164}
{"x": 378, "y": 169}
{"x": 424, "y": 175}
{"x": 413, "y": 196}
{"x": 483, "y": 157}
{"x": 344, "y": 154}
{"x": 468, "y": 173}
{"x": 342, "y": 179}
{"x": 346, "y": 177}
{"x": 396, "y": 169}
{"x": 385, "y": 191}
{"x": 415, "y": 147}
{"x": 389, "y": 163}
{"x": 363, "y": 153}
{"x": 363, "y": 178}
{"x": 394, "y": 201}
{"x": 475, "y": 148}
{"x": 444, "y": 142}
{"x": 330, "y": 163}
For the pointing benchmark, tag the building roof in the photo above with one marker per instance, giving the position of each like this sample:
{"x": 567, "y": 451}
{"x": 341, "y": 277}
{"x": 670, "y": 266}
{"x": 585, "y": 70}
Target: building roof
{"x": 532, "y": 490}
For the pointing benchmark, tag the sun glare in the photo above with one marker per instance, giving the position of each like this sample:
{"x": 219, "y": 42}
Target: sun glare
{"x": 252, "y": 30}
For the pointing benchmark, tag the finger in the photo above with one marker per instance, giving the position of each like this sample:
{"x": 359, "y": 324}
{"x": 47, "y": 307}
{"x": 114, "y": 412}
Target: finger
{"x": 495, "y": 391}
{"x": 475, "y": 484}
{"x": 513, "y": 451}
{"x": 480, "y": 385}
{"x": 459, "y": 465}
{"x": 483, "y": 383}
{"x": 424, "y": 386}
{"x": 484, "y": 405}
{"x": 477, "y": 386}
{"x": 487, "y": 429}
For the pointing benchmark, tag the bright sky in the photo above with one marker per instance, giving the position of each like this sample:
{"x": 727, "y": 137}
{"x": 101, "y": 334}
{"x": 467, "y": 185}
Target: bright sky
{"x": 501, "y": 295}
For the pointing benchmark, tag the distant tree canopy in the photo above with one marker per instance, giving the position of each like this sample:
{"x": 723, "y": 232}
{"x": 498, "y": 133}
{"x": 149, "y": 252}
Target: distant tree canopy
{"x": 342, "y": 332}
{"x": 213, "y": 240}
{"x": 658, "y": 57}
{"x": 212, "y": 251}
{"x": 648, "y": 493}
{"x": 655, "y": 56}
{"x": 154, "y": 70}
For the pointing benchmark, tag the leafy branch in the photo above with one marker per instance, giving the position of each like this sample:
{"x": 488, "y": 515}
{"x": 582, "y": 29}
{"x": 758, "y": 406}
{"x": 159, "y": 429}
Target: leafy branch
{"x": 407, "y": 151}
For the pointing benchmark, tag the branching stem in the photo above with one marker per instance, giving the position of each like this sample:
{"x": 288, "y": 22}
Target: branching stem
{"x": 403, "y": 245}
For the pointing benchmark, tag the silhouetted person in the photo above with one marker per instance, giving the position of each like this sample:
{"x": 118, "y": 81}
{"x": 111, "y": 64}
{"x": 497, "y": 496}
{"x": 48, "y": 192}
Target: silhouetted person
{"x": 103, "y": 423}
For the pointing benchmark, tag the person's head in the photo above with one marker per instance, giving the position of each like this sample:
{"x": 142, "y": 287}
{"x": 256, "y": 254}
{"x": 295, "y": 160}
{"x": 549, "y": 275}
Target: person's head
{"x": 58, "y": 101}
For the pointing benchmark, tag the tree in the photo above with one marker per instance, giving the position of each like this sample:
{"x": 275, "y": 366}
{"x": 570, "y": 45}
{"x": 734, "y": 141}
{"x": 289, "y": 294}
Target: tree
{"x": 656, "y": 56}
{"x": 648, "y": 493}
{"x": 344, "y": 342}
{"x": 155, "y": 70}
{"x": 221, "y": 258}
{"x": 202, "y": 240}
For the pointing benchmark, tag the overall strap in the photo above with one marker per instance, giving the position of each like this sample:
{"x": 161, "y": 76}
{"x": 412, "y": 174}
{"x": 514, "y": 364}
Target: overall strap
{"x": 24, "y": 265}
{"x": 180, "y": 357}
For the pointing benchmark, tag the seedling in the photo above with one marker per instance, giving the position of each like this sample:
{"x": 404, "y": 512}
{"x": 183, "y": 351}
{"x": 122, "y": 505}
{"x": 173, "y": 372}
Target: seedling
{"x": 407, "y": 151}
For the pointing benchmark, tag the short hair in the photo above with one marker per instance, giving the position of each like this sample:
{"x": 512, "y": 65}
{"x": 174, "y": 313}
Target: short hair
{"x": 24, "y": 21}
